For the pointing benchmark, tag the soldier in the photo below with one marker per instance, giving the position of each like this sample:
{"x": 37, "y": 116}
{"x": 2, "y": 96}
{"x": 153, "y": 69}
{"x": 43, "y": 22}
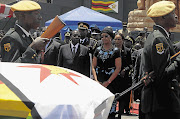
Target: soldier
{"x": 141, "y": 38}
{"x": 95, "y": 33}
{"x": 128, "y": 42}
{"x": 124, "y": 31}
{"x": 17, "y": 45}
{"x": 161, "y": 97}
{"x": 85, "y": 37}
{"x": 67, "y": 35}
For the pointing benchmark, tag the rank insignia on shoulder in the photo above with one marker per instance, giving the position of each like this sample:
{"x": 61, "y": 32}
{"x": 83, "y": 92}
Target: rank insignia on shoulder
{"x": 160, "y": 48}
{"x": 7, "y": 47}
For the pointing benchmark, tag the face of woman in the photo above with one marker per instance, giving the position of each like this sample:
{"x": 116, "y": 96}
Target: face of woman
{"x": 106, "y": 38}
{"x": 118, "y": 40}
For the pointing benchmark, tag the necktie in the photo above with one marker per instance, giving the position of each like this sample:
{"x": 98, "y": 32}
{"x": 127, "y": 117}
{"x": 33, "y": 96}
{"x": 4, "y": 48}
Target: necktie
{"x": 74, "y": 52}
{"x": 42, "y": 56}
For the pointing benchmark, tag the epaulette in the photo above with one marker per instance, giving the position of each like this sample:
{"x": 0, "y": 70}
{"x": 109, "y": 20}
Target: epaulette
{"x": 11, "y": 30}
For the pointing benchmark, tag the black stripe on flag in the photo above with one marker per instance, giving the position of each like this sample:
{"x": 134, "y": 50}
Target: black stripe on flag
{"x": 13, "y": 88}
{"x": 35, "y": 114}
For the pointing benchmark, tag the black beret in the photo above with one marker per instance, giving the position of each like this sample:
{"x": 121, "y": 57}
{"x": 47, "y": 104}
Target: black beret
{"x": 109, "y": 31}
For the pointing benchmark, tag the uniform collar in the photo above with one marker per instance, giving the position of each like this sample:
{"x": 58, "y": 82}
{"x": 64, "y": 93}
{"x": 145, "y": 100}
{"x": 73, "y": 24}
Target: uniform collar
{"x": 162, "y": 30}
{"x": 24, "y": 31}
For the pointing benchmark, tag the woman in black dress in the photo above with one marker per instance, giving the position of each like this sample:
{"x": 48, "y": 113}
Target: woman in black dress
{"x": 107, "y": 62}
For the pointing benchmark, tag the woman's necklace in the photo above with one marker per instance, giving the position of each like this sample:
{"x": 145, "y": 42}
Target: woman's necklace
{"x": 107, "y": 50}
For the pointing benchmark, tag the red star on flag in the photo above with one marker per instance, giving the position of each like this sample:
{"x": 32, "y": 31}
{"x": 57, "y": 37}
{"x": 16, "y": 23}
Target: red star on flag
{"x": 47, "y": 70}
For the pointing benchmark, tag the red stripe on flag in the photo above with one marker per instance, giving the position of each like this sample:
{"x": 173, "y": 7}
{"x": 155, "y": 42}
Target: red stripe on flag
{"x": 10, "y": 13}
{"x": 2, "y": 9}
{"x": 101, "y": 4}
{"x": 100, "y": 7}
{"x": 1, "y": 82}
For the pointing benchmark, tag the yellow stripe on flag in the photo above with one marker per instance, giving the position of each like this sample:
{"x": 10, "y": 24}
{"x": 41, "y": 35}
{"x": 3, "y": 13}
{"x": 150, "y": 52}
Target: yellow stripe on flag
{"x": 10, "y": 104}
{"x": 101, "y": 9}
{"x": 109, "y": 2}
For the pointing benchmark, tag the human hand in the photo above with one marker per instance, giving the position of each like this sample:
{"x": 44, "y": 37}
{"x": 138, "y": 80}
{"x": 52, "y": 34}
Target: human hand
{"x": 148, "y": 78}
{"x": 122, "y": 73}
{"x": 39, "y": 43}
{"x": 105, "y": 83}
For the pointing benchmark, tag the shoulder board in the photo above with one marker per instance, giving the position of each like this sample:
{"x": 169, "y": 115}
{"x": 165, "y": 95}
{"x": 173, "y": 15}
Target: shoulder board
{"x": 11, "y": 30}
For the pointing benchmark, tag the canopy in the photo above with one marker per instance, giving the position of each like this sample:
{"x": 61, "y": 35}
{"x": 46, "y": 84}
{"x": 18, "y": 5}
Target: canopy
{"x": 89, "y": 16}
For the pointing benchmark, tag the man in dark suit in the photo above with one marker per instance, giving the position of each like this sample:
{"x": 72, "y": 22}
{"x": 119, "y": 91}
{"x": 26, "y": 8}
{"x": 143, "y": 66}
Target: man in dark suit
{"x": 161, "y": 97}
{"x": 74, "y": 55}
{"x": 17, "y": 45}
{"x": 51, "y": 53}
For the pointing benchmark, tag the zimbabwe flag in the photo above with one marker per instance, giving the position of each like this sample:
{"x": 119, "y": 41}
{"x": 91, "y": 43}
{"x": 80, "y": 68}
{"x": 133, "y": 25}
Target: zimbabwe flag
{"x": 5, "y": 11}
{"x": 49, "y": 92}
{"x": 103, "y": 5}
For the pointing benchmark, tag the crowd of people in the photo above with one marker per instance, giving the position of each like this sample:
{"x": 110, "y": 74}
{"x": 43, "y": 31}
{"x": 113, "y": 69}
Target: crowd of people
{"x": 113, "y": 59}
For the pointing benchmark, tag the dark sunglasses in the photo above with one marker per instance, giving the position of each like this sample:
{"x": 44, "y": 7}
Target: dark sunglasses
{"x": 118, "y": 39}
{"x": 106, "y": 36}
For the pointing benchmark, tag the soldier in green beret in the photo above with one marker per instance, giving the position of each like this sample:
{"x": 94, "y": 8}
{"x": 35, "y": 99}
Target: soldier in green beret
{"x": 18, "y": 45}
{"x": 160, "y": 97}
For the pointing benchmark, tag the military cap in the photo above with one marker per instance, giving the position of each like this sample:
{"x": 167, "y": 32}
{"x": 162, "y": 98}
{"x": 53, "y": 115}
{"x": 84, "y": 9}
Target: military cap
{"x": 68, "y": 32}
{"x": 129, "y": 39}
{"x": 83, "y": 25}
{"x": 141, "y": 32}
{"x": 161, "y": 8}
{"x": 124, "y": 24}
{"x": 95, "y": 30}
{"x": 25, "y": 5}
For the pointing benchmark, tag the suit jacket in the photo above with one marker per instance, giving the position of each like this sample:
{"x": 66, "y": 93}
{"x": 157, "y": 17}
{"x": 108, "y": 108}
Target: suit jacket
{"x": 165, "y": 88}
{"x": 51, "y": 53}
{"x": 14, "y": 47}
{"x": 81, "y": 61}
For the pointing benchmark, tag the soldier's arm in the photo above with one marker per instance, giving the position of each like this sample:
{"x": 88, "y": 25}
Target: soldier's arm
{"x": 11, "y": 51}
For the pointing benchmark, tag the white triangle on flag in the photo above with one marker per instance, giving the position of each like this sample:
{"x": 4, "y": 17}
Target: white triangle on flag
{"x": 114, "y": 6}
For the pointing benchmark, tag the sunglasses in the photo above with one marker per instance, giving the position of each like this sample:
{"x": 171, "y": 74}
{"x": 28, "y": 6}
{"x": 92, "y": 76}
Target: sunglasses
{"x": 118, "y": 39}
{"x": 106, "y": 36}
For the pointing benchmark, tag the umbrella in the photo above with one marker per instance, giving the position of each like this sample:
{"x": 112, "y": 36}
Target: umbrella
{"x": 51, "y": 92}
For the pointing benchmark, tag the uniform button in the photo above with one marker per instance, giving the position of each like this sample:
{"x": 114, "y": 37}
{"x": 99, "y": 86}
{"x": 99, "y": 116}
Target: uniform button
{"x": 172, "y": 88}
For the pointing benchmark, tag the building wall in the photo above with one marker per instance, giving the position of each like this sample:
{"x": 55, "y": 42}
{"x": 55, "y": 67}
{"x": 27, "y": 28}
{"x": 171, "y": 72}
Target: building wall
{"x": 59, "y": 7}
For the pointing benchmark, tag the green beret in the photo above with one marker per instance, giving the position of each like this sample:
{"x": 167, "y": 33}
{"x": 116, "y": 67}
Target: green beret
{"x": 161, "y": 8}
{"x": 25, "y": 5}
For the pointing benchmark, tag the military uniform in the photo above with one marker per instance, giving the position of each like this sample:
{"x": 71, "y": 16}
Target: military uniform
{"x": 14, "y": 47}
{"x": 87, "y": 41}
{"x": 162, "y": 95}
{"x": 67, "y": 35}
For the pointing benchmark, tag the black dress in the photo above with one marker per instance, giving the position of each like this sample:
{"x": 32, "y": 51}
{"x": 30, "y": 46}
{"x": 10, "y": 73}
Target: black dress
{"x": 106, "y": 66}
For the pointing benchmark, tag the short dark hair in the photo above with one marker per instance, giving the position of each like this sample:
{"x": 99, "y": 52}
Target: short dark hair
{"x": 122, "y": 36}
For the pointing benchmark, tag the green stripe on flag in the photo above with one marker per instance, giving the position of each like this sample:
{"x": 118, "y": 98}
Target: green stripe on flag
{"x": 102, "y": 5}
{"x": 104, "y": 11}
{"x": 8, "y": 117}
{"x": 105, "y": 0}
